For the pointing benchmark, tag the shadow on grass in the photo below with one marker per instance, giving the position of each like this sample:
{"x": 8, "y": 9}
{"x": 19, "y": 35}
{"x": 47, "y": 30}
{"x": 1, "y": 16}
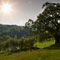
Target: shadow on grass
{"x": 23, "y": 50}
{"x": 55, "y": 46}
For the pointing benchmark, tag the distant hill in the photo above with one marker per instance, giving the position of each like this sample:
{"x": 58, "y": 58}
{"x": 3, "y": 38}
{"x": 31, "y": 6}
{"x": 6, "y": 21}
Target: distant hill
{"x": 13, "y": 30}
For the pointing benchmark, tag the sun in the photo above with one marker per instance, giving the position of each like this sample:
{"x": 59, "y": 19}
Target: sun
{"x": 6, "y": 8}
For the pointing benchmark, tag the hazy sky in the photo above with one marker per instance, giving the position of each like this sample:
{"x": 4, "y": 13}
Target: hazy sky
{"x": 22, "y": 11}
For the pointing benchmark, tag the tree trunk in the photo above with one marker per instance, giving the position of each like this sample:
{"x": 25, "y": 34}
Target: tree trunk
{"x": 57, "y": 39}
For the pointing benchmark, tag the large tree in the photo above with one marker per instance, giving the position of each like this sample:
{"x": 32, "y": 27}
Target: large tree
{"x": 49, "y": 20}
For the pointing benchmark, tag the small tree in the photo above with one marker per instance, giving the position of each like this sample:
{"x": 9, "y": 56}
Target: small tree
{"x": 30, "y": 43}
{"x": 22, "y": 43}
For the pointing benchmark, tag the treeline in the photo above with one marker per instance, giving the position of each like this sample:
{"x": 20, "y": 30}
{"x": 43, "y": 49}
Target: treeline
{"x": 13, "y": 30}
{"x": 14, "y": 44}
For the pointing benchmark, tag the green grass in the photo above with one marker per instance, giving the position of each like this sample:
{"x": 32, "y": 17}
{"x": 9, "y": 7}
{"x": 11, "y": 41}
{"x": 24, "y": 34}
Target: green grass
{"x": 44, "y": 44}
{"x": 42, "y": 54}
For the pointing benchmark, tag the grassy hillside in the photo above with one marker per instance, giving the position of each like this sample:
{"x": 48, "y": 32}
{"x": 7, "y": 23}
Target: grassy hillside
{"x": 43, "y": 54}
{"x": 40, "y": 54}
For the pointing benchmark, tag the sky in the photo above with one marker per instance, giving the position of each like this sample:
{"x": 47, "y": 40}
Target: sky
{"x": 23, "y": 10}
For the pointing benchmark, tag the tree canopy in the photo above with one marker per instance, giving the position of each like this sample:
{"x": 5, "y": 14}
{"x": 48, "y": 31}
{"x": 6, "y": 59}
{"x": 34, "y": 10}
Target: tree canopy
{"x": 49, "y": 20}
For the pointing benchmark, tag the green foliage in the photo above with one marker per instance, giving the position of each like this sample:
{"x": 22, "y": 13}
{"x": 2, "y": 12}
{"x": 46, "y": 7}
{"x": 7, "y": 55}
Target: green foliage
{"x": 48, "y": 20}
{"x": 14, "y": 44}
{"x": 22, "y": 43}
{"x": 12, "y": 30}
{"x": 30, "y": 43}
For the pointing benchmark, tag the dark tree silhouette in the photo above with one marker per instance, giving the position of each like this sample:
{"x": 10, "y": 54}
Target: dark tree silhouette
{"x": 49, "y": 20}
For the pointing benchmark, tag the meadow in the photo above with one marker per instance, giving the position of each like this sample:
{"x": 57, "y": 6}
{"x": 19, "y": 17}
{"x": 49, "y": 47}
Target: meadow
{"x": 41, "y": 54}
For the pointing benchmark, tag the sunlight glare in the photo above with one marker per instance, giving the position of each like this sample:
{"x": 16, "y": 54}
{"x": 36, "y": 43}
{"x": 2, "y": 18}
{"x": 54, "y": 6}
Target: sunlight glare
{"x": 6, "y": 8}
